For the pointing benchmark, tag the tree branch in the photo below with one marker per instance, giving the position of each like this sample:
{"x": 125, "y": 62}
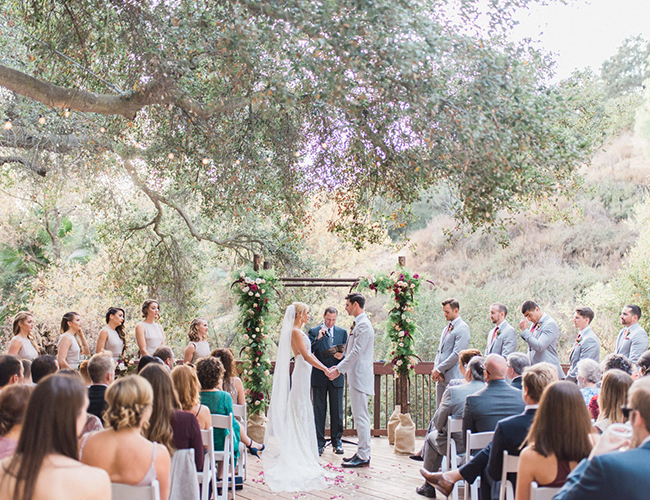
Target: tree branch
{"x": 22, "y": 138}
{"x": 20, "y": 159}
{"x": 156, "y": 92}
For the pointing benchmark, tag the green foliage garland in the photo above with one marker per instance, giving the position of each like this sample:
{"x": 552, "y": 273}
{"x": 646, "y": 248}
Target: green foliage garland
{"x": 403, "y": 285}
{"x": 255, "y": 294}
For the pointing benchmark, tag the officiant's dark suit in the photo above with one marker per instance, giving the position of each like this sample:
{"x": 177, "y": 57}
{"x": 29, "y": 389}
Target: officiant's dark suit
{"x": 322, "y": 386}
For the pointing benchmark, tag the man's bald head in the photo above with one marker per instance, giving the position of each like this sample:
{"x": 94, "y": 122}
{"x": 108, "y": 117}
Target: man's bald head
{"x": 496, "y": 367}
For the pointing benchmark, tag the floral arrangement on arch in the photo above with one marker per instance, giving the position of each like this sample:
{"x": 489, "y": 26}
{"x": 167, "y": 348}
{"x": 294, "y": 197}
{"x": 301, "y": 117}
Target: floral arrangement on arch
{"x": 255, "y": 294}
{"x": 403, "y": 286}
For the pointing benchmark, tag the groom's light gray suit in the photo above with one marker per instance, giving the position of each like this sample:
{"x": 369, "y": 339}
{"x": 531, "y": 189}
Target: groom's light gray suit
{"x": 358, "y": 365}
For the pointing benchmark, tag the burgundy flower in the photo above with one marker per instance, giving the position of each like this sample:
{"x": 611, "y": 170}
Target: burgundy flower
{"x": 416, "y": 276}
{"x": 259, "y": 353}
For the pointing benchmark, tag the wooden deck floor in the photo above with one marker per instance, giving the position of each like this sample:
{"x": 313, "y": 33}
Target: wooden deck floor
{"x": 389, "y": 476}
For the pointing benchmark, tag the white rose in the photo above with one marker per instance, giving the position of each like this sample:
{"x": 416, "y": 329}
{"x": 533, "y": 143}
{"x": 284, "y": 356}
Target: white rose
{"x": 257, "y": 402}
{"x": 412, "y": 285}
{"x": 245, "y": 289}
{"x": 401, "y": 344}
{"x": 250, "y": 294}
{"x": 408, "y": 320}
{"x": 263, "y": 281}
{"x": 258, "y": 280}
{"x": 257, "y": 295}
{"x": 399, "y": 362}
{"x": 263, "y": 291}
{"x": 257, "y": 329}
{"x": 266, "y": 372}
{"x": 245, "y": 336}
{"x": 248, "y": 280}
{"x": 242, "y": 274}
{"x": 401, "y": 334}
{"x": 253, "y": 336}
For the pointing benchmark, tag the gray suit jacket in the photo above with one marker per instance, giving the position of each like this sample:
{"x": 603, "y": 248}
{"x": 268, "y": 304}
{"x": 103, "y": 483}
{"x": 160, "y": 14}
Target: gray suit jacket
{"x": 453, "y": 405}
{"x": 588, "y": 348}
{"x": 505, "y": 343}
{"x": 486, "y": 407}
{"x": 456, "y": 340}
{"x": 541, "y": 343}
{"x": 359, "y": 354}
{"x": 635, "y": 344}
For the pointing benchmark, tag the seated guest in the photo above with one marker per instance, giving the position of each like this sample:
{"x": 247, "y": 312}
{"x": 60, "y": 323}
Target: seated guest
{"x": 121, "y": 449}
{"x": 187, "y": 389}
{"x": 27, "y": 371}
{"x": 145, "y": 360}
{"x": 101, "y": 370}
{"x": 43, "y": 366}
{"x": 558, "y": 439}
{"x": 517, "y": 362}
{"x": 176, "y": 429}
{"x": 508, "y": 435}
{"x": 166, "y": 355}
{"x": 452, "y": 405}
{"x": 611, "y": 362}
{"x": 644, "y": 364}
{"x": 589, "y": 376}
{"x": 11, "y": 371}
{"x": 13, "y": 404}
{"x": 624, "y": 474}
{"x": 83, "y": 371}
{"x": 496, "y": 401}
{"x": 613, "y": 395}
{"x": 45, "y": 464}
{"x": 464, "y": 358}
{"x": 587, "y": 344}
{"x": 210, "y": 373}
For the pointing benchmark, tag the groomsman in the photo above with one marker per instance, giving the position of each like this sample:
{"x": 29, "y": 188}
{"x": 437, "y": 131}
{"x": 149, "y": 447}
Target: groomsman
{"x": 324, "y": 337}
{"x": 632, "y": 340}
{"x": 502, "y": 339}
{"x": 587, "y": 345}
{"x": 541, "y": 337}
{"x": 454, "y": 338}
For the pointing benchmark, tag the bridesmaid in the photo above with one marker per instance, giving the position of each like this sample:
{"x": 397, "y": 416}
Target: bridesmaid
{"x": 198, "y": 347}
{"x": 68, "y": 349}
{"x": 112, "y": 337}
{"x": 23, "y": 345}
{"x": 148, "y": 334}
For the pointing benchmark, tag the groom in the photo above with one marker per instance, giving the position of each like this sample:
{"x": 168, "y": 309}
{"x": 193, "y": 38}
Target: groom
{"x": 357, "y": 364}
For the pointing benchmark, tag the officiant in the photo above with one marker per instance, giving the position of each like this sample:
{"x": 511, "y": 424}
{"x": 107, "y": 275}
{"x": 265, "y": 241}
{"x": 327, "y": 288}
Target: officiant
{"x": 324, "y": 341}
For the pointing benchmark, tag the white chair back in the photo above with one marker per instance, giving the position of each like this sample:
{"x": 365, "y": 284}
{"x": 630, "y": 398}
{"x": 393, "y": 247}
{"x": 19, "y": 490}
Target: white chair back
{"x": 209, "y": 473}
{"x": 227, "y": 456}
{"x": 475, "y": 441}
{"x": 451, "y": 460}
{"x": 239, "y": 412}
{"x": 510, "y": 464}
{"x": 538, "y": 492}
{"x": 127, "y": 492}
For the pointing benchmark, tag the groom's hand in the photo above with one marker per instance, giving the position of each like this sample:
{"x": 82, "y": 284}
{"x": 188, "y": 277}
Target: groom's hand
{"x": 333, "y": 373}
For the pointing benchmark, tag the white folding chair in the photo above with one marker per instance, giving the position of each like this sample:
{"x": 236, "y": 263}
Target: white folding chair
{"x": 127, "y": 492}
{"x": 209, "y": 473}
{"x": 475, "y": 441}
{"x": 239, "y": 412}
{"x": 538, "y": 492}
{"x": 227, "y": 456}
{"x": 451, "y": 460}
{"x": 510, "y": 464}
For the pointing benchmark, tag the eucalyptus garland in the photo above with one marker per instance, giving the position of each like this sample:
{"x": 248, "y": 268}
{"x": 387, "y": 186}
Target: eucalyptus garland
{"x": 403, "y": 286}
{"x": 255, "y": 291}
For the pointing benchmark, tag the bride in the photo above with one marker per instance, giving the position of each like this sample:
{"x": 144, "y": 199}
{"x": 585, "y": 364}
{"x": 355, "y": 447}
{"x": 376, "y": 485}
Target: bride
{"x": 291, "y": 456}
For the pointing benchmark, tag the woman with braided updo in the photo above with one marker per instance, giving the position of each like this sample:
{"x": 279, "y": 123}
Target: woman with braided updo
{"x": 121, "y": 450}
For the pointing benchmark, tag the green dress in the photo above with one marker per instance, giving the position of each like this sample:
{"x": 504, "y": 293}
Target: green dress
{"x": 220, "y": 403}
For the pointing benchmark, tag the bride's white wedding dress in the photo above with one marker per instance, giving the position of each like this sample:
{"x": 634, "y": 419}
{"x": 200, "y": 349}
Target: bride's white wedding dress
{"x": 290, "y": 459}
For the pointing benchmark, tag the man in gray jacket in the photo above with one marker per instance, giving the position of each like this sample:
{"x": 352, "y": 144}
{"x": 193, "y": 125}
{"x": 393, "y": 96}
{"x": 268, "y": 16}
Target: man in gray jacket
{"x": 452, "y": 405}
{"x": 632, "y": 340}
{"x": 541, "y": 336}
{"x": 358, "y": 365}
{"x": 502, "y": 339}
{"x": 454, "y": 338}
{"x": 587, "y": 344}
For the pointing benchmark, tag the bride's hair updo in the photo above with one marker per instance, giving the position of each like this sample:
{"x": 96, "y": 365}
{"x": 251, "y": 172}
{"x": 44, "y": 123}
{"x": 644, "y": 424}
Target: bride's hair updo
{"x": 301, "y": 307}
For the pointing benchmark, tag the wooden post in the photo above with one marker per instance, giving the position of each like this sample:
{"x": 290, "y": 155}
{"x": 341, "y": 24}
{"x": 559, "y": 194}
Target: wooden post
{"x": 267, "y": 265}
{"x": 256, "y": 262}
{"x": 403, "y": 381}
